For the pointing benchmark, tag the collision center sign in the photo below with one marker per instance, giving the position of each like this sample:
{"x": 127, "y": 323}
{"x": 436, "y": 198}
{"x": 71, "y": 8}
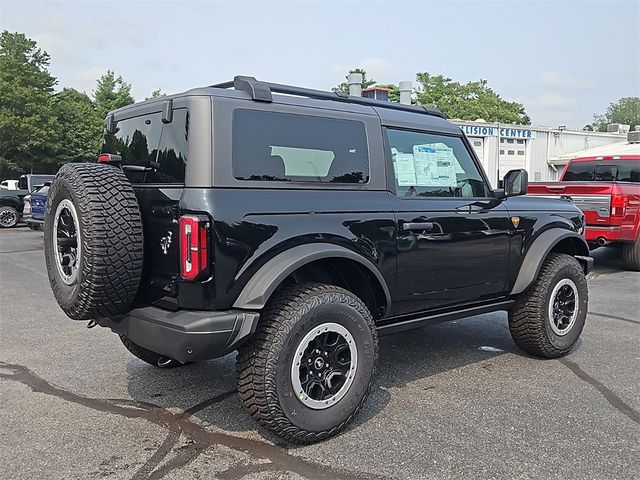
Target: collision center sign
{"x": 505, "y": 132}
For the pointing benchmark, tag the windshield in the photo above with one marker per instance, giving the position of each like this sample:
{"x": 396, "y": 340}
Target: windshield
{"x": 603, "y": 171}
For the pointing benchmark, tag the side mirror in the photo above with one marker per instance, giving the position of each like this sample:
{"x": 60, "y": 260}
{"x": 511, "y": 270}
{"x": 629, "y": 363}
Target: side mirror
{"x": 516, "y": 182}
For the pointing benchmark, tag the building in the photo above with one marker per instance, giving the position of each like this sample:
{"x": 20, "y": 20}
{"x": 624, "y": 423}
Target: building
{"x": 542, "y": 151}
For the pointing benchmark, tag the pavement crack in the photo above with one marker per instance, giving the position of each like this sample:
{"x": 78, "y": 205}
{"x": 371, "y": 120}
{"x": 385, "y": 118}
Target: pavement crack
{"x": 611, "y": 397}
{"x": 179, "y": 423}
{"x": 614, "y": 317}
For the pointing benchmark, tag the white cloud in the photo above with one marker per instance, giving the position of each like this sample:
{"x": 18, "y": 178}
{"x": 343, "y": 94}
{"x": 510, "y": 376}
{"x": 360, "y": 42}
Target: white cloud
{"x": 380, "y": 69}
{"x": 549, "y": 101}
{"x": 561, "y": 80}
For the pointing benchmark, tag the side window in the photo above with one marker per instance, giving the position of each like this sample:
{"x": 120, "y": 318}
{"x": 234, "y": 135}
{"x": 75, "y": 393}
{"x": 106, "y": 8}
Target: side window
{"x": 430, "y": 165}
{"x": 172, "y": 151}
{"x": 271, "y": 146}
{"x": 152, "y": 152}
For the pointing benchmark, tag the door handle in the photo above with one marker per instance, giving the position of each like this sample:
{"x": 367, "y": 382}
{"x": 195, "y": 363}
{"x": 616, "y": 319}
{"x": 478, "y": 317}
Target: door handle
{"x": 417, "y": 226}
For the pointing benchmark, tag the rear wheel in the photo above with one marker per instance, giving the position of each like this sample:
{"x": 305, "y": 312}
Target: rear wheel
{"x": 310, "y": 365}
{"x": 548, "y": 318}
{"x": 631, "y": 255}
{"x": 8, "y": 217}
{"x": 152, "y": 358}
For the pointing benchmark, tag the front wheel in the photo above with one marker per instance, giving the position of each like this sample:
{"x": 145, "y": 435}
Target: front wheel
{"x": 8, "y": 217}
{"x": 548, "y": 318}
{"x": 310, "y": 365}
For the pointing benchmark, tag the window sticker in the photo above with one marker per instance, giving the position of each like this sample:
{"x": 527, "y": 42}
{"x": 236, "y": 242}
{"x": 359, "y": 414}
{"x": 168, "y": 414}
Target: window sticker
{"x": 435, "y": 165}
{"x": 405, "y": 169}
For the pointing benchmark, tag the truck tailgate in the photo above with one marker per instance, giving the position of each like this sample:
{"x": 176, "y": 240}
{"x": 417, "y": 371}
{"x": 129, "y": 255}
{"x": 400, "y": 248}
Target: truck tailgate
{"x": 593, "y": 198}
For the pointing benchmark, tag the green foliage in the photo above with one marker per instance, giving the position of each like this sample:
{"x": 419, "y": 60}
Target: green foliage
{"x": 79, "y": 126}
{"x": 155, "y": 94}
{"x": 111, "y": 92}
{"x": 366, "y": 82}
{"x": 625, "y": 111}
{"x": 27, "y": 123}
{"x": 468, "y": 101}
{"x": 394, "y": 92}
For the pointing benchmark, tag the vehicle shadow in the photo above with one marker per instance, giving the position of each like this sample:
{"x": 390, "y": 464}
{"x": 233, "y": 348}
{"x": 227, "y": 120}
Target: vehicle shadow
{"x": 607, "y": 260}
{"x": 403, "y": 359}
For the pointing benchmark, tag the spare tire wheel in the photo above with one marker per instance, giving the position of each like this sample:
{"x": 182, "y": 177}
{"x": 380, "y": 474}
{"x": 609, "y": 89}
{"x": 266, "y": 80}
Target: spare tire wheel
{"x": 93, "y": 241}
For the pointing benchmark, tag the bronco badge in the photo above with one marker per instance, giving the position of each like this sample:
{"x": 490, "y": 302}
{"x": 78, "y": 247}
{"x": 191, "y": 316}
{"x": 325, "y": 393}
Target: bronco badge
{"x": 165, "y": 242}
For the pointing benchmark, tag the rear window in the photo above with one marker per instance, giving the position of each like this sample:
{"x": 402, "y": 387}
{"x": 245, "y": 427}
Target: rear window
{"x": 271, "y": 146}
{"x": 603, "y": 171}
{"x": 152, "y": 152}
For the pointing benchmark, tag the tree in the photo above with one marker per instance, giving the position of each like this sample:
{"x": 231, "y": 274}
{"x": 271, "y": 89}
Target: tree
{"x": 625, "y": 111}
{"x": 344, "y": 86}
{"x": 468, "y": 101}
{"x": 394, "y": 90}
{"x": 111, "y": 92}
{"x": 27, "y": 123}
{"x": 79, "y": 126}
{"x": 155, "y": 94}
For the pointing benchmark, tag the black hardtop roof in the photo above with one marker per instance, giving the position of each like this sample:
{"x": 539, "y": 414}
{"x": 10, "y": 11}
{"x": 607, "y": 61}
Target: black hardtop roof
{"x": 390, "y": 113}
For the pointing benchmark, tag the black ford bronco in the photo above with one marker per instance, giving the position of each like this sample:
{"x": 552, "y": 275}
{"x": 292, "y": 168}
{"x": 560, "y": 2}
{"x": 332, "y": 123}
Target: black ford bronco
{"x": 297, "y": 226}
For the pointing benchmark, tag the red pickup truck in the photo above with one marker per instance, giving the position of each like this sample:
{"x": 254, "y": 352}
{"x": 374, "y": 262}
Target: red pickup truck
{"x": 607, "y": 190}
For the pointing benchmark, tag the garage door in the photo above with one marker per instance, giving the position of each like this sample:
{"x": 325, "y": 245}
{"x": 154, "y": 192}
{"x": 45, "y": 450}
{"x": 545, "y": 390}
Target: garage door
{"x": 513, "y": 152}
{"x": 478, "y": 145}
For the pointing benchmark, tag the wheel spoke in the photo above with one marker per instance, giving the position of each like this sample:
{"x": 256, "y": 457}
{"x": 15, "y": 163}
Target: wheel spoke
{"x": 322, "y": 372}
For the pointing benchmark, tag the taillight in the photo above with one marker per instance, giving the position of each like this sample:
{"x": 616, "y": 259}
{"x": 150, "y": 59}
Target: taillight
{"x": 194, "y": 248}
{"x": 618, "y": 204}
{"x": 110, "y": 159}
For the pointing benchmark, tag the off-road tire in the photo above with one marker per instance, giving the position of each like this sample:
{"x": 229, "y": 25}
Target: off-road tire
{"x": 10, "y": 216}
{"x": 110, "y": 262}
{"x": 631, "y": 255}
{"x": 264, "y": 364}
{"x": 152, "y": 358}
{"x": 529, "y": 320}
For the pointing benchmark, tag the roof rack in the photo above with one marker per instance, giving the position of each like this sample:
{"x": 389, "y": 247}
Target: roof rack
{"x": 261, "y": 92}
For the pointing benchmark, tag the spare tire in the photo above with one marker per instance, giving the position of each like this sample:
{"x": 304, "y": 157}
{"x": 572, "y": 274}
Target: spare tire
{"x": 93, "y": 241}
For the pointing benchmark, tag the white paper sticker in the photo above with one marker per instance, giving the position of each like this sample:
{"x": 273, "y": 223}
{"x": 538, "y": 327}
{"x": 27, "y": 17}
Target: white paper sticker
{"x": 434, "y": 165}
{"x": 405, "y": 169}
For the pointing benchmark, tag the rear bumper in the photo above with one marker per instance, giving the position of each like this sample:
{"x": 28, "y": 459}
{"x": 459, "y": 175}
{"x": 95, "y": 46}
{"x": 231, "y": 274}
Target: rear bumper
{"x": 610, "y": 234}
{"x": 185, "y": 335}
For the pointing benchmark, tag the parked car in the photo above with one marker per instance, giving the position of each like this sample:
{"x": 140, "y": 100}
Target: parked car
{"x": 296, "y": 229}
{"x": 12, "y": 201}
{"x": 9, "y": 185}
{"x": 35, "y": 203}
{"x": 607, "y": 189}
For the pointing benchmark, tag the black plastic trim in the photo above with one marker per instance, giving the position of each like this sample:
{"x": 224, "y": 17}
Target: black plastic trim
{"x": 538, "y": 252}
{"x": 261, "y": 91}
{"x": 264, "y": 282}
{"x": 402, "y": 324}
{"x": 185, "y": 335}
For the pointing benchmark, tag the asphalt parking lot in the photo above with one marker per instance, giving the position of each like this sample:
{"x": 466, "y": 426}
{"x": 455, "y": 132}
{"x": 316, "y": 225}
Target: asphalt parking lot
{"x": 455, "y": 400}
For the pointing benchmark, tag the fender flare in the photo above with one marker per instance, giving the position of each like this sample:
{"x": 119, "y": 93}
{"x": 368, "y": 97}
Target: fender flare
{"x": 538, "y": 252}
{"x": 269, "y": 276}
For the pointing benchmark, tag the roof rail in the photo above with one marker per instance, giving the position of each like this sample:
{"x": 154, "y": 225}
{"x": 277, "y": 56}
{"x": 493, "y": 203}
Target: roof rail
{"x": 261, "y": 92}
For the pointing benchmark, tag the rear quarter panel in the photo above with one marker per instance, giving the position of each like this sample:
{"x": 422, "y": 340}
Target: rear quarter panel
{"x": 252, "y": 226}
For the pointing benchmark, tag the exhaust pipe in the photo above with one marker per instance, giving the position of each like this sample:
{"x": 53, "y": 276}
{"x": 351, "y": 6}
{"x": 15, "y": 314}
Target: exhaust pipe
{"x": 602, "y": 241}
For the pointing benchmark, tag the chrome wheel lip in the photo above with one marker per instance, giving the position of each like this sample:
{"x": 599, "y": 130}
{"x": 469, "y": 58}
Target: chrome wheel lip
{"x": 295, "y": 366}
{"x": 68, "y": 279}
{"x": 551, "y": 313}
{"x": 8, "y": 214}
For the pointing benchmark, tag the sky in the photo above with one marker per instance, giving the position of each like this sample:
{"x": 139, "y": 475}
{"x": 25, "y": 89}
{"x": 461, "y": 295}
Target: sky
{"x": 564, "y": 61}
